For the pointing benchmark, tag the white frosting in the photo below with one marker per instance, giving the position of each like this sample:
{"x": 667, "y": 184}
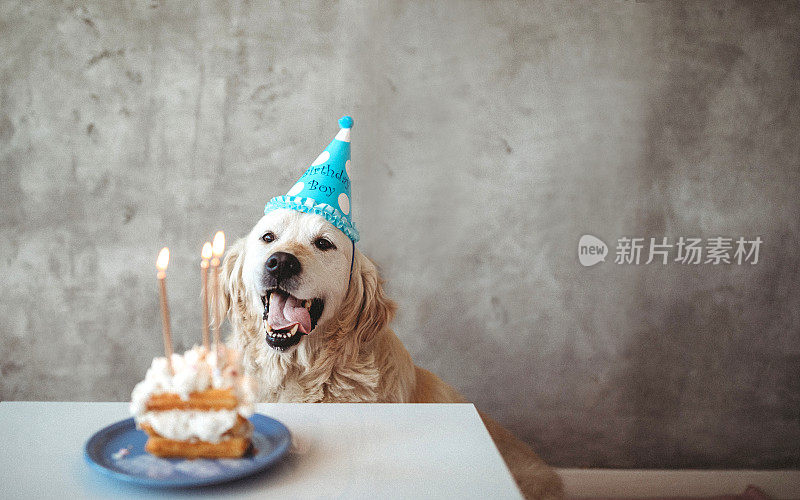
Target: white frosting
{"x": 184, "y": 425}
{"x": 194, "y": 371}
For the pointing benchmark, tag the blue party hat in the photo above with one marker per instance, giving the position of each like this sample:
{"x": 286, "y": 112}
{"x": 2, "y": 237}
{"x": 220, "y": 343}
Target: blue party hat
{"x": 325, "y": 187}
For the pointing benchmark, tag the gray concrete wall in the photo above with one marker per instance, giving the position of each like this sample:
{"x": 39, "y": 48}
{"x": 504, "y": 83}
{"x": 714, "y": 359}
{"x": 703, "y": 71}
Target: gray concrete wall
{"x": 489, "y": 137}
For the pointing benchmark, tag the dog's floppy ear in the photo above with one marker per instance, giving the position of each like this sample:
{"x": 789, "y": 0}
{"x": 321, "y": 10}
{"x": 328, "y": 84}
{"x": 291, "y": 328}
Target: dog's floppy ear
{"x": 367, "y": 309}
{"x": 232, "y": 292}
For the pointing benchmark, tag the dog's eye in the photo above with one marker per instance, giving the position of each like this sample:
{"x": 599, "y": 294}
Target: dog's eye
{"x": 323, "y": 244}
{"x": 268, "y": 237}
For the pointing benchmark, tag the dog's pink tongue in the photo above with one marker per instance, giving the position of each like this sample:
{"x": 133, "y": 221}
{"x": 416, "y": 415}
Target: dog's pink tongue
{"x": 286, "y": 311}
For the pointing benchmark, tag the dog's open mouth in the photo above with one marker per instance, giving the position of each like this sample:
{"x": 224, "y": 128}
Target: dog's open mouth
{"x": 288, "y": 318}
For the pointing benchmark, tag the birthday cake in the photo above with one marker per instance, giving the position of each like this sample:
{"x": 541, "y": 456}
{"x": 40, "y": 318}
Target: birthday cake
{"x": 195, "y": 408}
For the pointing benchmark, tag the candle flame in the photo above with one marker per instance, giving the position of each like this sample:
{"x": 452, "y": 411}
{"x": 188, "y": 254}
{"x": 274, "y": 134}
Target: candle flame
{"x": 206, "y": 252}
{"x": 163, "y": 259}
{"x": 219, "y": 244}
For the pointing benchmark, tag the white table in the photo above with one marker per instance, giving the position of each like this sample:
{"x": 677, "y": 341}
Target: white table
{"x": 341, "y": 451}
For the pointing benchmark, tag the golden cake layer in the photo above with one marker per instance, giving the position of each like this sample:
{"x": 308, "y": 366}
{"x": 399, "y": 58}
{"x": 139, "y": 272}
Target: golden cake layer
{"x": 234, "y": 443}
{"x": 210, "y": 399}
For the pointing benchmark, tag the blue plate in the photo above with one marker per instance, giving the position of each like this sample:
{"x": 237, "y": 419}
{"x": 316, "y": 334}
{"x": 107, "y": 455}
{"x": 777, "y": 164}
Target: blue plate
{"x": 271, "y": 440}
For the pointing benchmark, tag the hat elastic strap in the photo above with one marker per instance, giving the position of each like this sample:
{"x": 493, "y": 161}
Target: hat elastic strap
{"x": 352, "y": 259}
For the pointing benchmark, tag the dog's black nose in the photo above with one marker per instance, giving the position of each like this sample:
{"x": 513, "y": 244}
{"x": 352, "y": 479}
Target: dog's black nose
{"x": 282, "y": 265}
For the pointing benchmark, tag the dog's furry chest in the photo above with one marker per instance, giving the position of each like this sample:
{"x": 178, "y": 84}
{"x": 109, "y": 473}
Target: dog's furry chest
{"x": 322, "y": 385}
{"x": 323, "y": 393}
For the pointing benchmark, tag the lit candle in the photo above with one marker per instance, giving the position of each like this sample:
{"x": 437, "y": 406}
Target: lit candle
{"x": 218, "y": 248}
{"x": 161, "y": 265}
{"x": 205, "y": 255}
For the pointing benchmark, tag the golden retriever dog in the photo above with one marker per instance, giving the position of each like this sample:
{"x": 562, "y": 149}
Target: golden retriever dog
{"x": 311, "y": 319}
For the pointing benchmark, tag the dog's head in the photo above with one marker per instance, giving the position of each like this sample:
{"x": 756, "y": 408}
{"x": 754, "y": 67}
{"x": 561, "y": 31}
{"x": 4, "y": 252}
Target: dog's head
{"x": 290, "y": 280}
